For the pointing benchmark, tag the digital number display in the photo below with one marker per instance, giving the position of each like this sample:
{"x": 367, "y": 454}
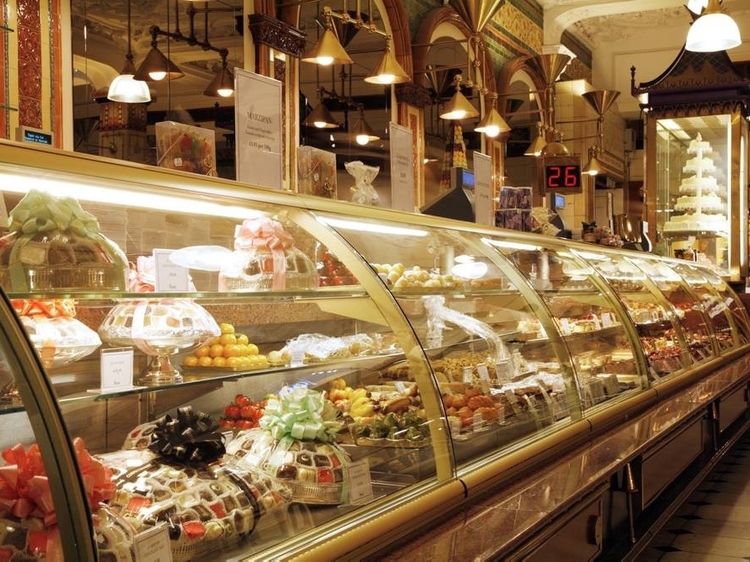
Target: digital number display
{"x": 562, "y": 174}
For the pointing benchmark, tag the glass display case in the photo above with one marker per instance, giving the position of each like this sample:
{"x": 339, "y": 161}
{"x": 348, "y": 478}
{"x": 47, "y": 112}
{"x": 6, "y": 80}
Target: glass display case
{"x": 249, "y": 373}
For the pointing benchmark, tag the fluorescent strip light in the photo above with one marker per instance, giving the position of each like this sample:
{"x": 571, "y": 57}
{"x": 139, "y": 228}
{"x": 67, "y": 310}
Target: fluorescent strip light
{"x": 16, "y": 183}
{"x": 508, "y": 245}
{"x": 370, "y": 227}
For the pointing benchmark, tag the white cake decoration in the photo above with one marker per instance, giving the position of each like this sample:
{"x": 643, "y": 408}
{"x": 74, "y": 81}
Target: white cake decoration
{"x": 700, "y": 205}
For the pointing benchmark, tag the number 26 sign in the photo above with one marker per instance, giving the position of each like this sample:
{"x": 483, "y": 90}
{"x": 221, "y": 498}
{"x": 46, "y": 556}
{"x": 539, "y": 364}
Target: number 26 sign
{"x": 562, "y": 174}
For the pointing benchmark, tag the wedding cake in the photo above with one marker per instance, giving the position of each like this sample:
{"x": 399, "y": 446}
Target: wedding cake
{"x": 700, "y": 206}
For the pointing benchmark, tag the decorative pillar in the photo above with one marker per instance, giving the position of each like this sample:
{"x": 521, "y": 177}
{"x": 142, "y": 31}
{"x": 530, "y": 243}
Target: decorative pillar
{"x": 122, "y": 129}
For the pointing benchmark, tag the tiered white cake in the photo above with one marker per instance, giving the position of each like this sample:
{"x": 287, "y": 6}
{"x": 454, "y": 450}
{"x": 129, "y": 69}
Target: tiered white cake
{"x": 700, "y": 205}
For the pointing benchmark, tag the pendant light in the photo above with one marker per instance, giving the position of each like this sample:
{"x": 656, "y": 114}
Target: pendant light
{"x": 320, "y": 118}
{"x": 222, "y": 84}
{"x": 592, "y": 167}
{"x": 713, "y": 31}
{"x": 388, "y": 71}
{"x": 328, "y": 49}
{"x": 362, "y": 133}
{"x": 125, "y": 88}
{"x": 492, "y": 124}
{"x": 536, "y": 147}
{"x": 458, "y": 107}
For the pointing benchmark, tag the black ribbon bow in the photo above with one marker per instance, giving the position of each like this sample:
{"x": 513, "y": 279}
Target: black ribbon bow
{"x": 191, "y": 438}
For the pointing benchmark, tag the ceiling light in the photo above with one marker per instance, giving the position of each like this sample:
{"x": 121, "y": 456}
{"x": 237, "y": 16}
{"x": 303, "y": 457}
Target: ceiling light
{"x": 125, "y": 88}
{"x": 713, "y": 31}
{"x": 327, "y": 51}
{"x": 536, "y": 147}
{"x": 362, "y": 132}
{"x": 458, "y": 107}
{"x": 592, "y": 167}
{"x": 223, "y": 82}
{"x": 320, "y": 118}
{"x": 156, "y": 66}
{"x": 492, "y": 124}
{"x": 388, "y": 71}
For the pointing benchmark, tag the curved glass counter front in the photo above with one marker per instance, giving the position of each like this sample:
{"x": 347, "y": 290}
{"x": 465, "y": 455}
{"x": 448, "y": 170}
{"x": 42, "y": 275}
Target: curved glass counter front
{"x": 383, "y": 352}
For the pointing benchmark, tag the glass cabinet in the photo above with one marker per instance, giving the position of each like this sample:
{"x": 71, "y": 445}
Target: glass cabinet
{"x": 249, "y": 373}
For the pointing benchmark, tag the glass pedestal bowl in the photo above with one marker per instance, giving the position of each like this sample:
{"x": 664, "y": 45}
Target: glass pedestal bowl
{"x": 159, "y": 328}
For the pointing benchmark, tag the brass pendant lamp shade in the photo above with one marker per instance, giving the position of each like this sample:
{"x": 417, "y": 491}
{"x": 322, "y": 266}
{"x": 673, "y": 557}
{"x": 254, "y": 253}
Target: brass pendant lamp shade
{"x": 327, "y": 51}
{"x": 592, "y": 167}
{"x": 388, "y": 71}
{"x": 458, "y": 108}
{"x": 222, "y": 84}
{"x": 713, "y": 31}
{"x": 492, "y": 124}
{"x": 362, "y": 132}
{"x": 320, "y": 118}
{"x": 156, "y": 67}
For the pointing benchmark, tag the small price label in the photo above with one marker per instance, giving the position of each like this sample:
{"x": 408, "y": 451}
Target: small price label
{"x": 169, "y": 276}
{"x": 468, "y": 375}
{"x": 153, "y": 545}
{"x": 116, "y": 369}
{"x": 360, "y": 484}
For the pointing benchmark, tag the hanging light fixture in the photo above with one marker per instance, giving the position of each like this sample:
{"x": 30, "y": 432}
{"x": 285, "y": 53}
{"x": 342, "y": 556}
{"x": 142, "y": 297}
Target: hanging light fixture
{"x": 713, "y": 31}
{"x": 492, "y": 124}
{"x": 125, "y": 88}
{"x": 320, "y": 117}
{"x": 388, "y": 71}
{"x": 458, "y": 107}
{"x": 536, "y": 147}
{"x": 222, "y": 84}
{"x": 592, "y": 167}
{"x": 156, "y": 67}
{"x": 362, "y": 132}
{"x": 328, "y": 49}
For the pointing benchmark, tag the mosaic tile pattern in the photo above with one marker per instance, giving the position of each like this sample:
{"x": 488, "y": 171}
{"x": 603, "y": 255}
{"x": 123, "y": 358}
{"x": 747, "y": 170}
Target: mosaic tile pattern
{"x": 712, "y": 525}
{"x": 29, "y": 63}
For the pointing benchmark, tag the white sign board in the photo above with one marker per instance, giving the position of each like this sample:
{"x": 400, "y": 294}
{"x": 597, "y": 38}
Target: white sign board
{"x": 402, "y": 168}
{"x": 257, "y": 117}
{"x": 484, "y": 211}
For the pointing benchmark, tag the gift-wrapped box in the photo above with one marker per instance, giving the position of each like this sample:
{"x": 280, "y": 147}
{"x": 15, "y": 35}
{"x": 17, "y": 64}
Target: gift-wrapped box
{"x": 186, "y": 148}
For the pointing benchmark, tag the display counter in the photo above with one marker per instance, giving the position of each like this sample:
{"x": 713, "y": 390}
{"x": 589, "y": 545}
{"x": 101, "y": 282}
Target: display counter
{"x": 216, "y": 371}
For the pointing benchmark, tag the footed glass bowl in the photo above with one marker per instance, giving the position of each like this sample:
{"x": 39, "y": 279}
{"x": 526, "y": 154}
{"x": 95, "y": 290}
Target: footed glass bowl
{"x": 159, "y": 328}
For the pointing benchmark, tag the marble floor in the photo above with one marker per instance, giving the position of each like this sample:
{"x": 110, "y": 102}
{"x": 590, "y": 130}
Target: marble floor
{"x": 713, "y": 525}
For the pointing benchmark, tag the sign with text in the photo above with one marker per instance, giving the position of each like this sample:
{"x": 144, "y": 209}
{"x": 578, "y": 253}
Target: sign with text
{"x": 562, "y": 174}
{"x": 169, "y": 276}
{"x": 257, "y": 117}
{"x": 402, "y": 168}
{"x": 484, "y": 211}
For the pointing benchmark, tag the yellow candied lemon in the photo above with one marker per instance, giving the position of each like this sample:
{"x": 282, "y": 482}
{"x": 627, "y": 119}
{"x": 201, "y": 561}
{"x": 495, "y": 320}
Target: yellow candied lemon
{"x": 205, "y": 361}
{"x": 242, "y": 339}
{"x": 190, "y": 361}
{"x": 202, "y": 351}
{"x": 245, "y": 362}
{"x": 252, "y": 349}
{"x": 232, "y": 350}
{"x": 233, "y": 362}
{"x": 219, "y": 362}
{"x": 227, "y": 339}
{"x": 216, "y": 350}
{"x": 226, "y": 328}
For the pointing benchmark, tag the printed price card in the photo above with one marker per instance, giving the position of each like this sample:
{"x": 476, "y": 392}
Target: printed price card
{"x": 153, "y": 545}
{"x": 116, "y": 369}
{"x": 360, "y": 485}
{"x": 168, "y": 276}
